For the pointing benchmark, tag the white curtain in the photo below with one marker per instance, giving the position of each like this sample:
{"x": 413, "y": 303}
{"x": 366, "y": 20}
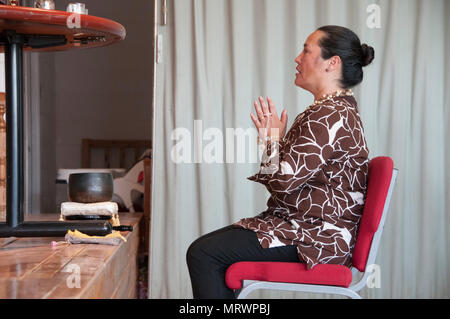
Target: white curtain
{"x": 220, "y": 55}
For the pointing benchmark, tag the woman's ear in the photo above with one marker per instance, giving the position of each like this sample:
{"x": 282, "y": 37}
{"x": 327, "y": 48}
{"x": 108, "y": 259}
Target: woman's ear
{"x": 333, "y": 63}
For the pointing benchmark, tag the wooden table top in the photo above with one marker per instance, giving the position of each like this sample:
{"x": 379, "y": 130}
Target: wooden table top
{"x": 75, "y": 27}
{"x": 31, "y": 268}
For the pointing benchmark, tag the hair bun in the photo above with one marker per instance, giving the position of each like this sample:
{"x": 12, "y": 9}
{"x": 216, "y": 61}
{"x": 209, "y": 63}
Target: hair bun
{"x": 368, "y": 54}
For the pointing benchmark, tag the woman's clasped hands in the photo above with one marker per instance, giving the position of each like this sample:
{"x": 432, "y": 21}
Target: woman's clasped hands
{"x": 269, "y": 125}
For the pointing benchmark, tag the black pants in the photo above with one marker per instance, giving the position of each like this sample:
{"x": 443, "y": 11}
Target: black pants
{"x": 209, "y": 256}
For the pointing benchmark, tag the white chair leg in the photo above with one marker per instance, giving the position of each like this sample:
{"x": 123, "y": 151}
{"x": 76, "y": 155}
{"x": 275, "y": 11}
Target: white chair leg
{"x": 250, "y": 286}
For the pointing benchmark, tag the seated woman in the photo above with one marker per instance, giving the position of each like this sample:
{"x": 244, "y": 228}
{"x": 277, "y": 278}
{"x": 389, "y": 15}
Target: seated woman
{"x": 316, "y": 173}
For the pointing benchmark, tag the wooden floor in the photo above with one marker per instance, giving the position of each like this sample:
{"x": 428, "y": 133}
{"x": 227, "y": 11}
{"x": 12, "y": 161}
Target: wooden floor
{"x": 31, "y": 268}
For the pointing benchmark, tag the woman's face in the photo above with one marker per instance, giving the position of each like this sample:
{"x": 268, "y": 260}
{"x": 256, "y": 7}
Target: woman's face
{"x": 310, "y": 65}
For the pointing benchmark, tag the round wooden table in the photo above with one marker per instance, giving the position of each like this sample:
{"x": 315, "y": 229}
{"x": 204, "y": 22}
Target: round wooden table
{"x": 31, "y": 29}
{"x": 53, "y": 30}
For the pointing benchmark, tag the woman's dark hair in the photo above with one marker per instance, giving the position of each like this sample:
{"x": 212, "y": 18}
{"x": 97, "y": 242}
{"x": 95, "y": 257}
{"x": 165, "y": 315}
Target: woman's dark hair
{"x": 345, "y": 43}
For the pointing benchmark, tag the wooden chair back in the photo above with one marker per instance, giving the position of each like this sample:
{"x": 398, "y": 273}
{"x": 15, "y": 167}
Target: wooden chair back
{"x": 124, "y": 146}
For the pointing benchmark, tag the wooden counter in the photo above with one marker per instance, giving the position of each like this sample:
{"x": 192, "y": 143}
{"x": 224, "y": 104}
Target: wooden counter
{"x": 32, "y": 268}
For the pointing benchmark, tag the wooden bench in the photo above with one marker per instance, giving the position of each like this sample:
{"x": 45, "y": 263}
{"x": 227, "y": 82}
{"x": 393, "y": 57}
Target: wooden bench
{"x": 137, "y": 147}
{"x": 32, "y": 268}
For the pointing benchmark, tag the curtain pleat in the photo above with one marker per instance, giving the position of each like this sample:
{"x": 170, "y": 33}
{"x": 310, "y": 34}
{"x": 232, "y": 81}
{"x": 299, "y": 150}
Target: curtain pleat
{"x": 220, "y": 55}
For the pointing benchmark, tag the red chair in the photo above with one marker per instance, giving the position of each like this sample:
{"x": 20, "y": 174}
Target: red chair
{"x": 246, "y": 277}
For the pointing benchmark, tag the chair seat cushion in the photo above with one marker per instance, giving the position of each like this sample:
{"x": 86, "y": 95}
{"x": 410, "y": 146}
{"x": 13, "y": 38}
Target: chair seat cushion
{"x": 287, "y": 272}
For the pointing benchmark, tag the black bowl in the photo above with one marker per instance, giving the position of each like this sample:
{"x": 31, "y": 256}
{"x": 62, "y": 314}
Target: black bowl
{"x": 90, "y": 187}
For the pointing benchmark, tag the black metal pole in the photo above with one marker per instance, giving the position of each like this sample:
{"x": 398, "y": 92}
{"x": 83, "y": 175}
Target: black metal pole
{"x": 14, "y": 128}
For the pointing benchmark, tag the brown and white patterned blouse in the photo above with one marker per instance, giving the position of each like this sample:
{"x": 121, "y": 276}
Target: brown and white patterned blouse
{"x": 317, "y": 183}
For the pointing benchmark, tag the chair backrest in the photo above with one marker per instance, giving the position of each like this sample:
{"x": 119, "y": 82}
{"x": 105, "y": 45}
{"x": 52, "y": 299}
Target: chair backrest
{"x": 381, "y": 180}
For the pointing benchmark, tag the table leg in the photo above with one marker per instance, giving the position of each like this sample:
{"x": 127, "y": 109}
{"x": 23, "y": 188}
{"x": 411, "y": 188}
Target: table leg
{"x": 14, "y": 129}
{"x": 15, "y": 225}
